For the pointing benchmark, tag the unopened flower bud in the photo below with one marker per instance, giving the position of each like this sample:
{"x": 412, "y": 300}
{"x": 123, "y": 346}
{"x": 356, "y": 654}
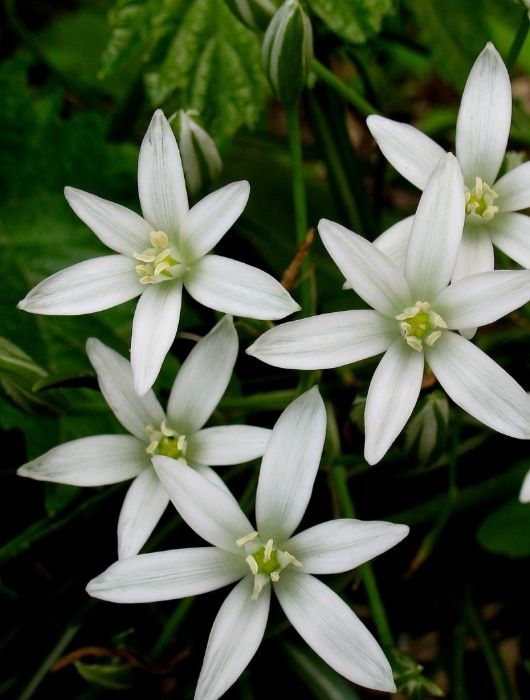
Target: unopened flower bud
{"x": 287, "y": 51}
{"x": 200, "y": 158}
{"x": 426, "y": 432}
{"x": 255, "y": 14}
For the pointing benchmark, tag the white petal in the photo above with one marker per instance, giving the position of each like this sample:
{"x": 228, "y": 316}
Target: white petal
{"x": 372, "y": 275}
{"x": 89, "y": 286}
{"x": 412, "y": 153}
{"x": 484, "y": 118}
{"x": 203, "y": 378}
{"x": 392, "y": 395}
{"x": 227, "y": 444}
{"x": 154, "y": 328}
{"x": 513, "y": 189}
{"x": 213, "y": 476}
{"x": 333, "y": 631}
{"x": 235, "y": 637}
{"x": 90, "y": 461}
{"x": 177, "y": 573}
{"x": 436, "y": 231}
{"x": 290, "y": 465}
{"x": 239, "y": 289}
{"x": 115, "y": 379}
{"x": 511, "y": 233}
{"x": 341, "y": 545}
{"x": 475, "y": 253}
{"x": 209, "y": 220}
{"x": 484, "y": 298}
{"x": 161, "y": 183}
{"x": 204, "y": 506}
{"x": 328, "y": 340}
{"x": 480, "y": 386}
{"x": 394, "y": 241}
{"x": 144, "y": 505}
{"x": 524, "y": 495}
{"x": 119, "y": 228}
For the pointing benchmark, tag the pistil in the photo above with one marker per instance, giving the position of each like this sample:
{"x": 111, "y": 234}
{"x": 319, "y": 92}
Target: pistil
{"x": 264, "y": 561}
{"x": 479, "y": 201}
{"x": 165, "y": 441}
{"x": 419, "y": 323}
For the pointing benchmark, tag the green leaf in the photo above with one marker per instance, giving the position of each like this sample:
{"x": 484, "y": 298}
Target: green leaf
{"x": 507, "y": 530}
{"x": 112, "y": 676}
{"x": 353, "y": 20}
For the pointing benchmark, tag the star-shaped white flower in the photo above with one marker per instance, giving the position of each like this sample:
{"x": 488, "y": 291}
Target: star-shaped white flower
{"x": 177, "y": 433}
{"x": 413, "y": 321}
{"x": 482, "y": 132}
{"x": 159, "y": 254}
{"x": 263, "y": 558}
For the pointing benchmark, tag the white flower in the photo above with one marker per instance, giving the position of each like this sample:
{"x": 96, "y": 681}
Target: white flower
{"x": 524, "y": 495}
{"x": 264, "y": 558}
{"x": 415, "y": 314}
{"x": 482, "y": 133}
{"x": 158, "y": 255}
{"x": 177, "y": 433}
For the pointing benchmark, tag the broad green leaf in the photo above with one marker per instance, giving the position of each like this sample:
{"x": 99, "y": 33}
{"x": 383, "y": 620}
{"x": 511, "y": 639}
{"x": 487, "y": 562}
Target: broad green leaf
{"x": 353, "y": 20}
{"x": 111, "y": 676}
{"x": 507, "y": 530}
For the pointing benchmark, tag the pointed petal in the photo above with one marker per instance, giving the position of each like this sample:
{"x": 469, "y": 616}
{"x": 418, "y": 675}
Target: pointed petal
{"x": 90, "y": 461}
{"x": 511, "y": 234}
{"x": 227, "y": 444}
{"x": 410, "y": 152}
{"x": 524, "y": 495}
{"x": 235, "y": 288}
{"x": 392, "y": 395}
{"x": 475, "y": 253}
{"x": 155, "y": 324}
{"x": 290, "y": 465}
{"x": 203, "y": 505}
{"x": 436, "y": 231}
{"x": 161, "y": 183}
{"x": 394, "y": 241}
{"x": 333, "y": 631}
{"x": 209, "y": 220}
{"x": 341, "y": 545}
{"x": 89, "y": 286}
{"x": 513, "y": 189}
{"x": 328, "y": 340}
{"x": 480, "y": 386}
{"x": 371, "y": 274}
{"x": 484, "y": 298}
{"x": 115, "y": 379}
{"x": 484, "y": 118}
{"x": 144, "y": 505}
{"x": 235, "y": 637}
{"x": 203, "y": 378}
{"x": 117, "y": 227}
{"x": 177, "y": 573}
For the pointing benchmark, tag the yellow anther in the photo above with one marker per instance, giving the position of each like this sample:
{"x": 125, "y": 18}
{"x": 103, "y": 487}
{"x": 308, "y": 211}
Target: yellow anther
{"x": 420, "y": 323}
{"x": 253, "y": 564}
{"x": 246, "y": 538}
{"x": 267, "y": 552}
{"x": 159, "y": 239}
{"x": 479, "y": 201}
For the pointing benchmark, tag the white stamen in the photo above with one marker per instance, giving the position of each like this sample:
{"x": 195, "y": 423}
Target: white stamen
{"x": 247, "y": 538}
{"x": 267, "y": 553}
{"x": 159, "y": 239}
{"x": 253, "y": 564}
{"x": 258, "y": 587}
{"x": 432, "y": 338}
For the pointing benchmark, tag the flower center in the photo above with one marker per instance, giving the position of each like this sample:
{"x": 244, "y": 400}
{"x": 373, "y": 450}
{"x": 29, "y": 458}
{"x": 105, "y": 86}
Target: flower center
{"x": 165, "y": 441}
{"x": 479, "y": 201}
{"x": 264, "y": 560}
{"x": 158, "y": 264}
{"x": 419, "y": 323}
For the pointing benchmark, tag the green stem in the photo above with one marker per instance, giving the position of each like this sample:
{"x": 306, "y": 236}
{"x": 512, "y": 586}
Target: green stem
{"x": 518, "y": 41}
{"x": 171, "y": 627}
{"x": 350, "y": 95}
{"x": 495, "y": 665}
{"x": 299, "y": 197}
{"x": 459, "y": 648}
{"x": 339, "y": 477}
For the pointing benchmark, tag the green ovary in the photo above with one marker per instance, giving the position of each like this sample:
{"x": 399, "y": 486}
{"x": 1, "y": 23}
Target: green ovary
{"x": 266, "y": 567}
{"x": 420, "y": 325}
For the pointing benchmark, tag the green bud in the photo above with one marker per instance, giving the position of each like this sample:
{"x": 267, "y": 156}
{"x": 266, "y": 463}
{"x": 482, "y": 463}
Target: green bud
{"x": 255, "y": 14}
{"x": 425, "y": 433}
{"x": 287, "y": 51}
{"x": 410, "y": 679}
{"x": 200, "y": 158}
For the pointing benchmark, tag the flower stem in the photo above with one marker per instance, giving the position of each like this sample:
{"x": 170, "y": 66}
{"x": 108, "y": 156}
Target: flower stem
{"x": 299, "y": 198}
{"x": 350, "y": 95}
{"x": 338, "y": 475}
{"x": 171, "y": 627}
{"x": 518, "y": 41}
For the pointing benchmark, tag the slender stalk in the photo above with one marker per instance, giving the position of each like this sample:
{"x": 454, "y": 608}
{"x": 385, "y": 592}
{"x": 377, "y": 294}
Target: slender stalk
{"x": 171, "y": 627}
{"x": 350, "y": 95}
{"x": 340, "y": 484}
{"x": 299, "y": 197}
{"x": 459, "y": 646}
{"x": 518, "y": 41}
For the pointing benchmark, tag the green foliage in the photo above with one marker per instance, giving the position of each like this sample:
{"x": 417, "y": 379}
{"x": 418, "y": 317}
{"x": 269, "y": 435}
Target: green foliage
{"x": 353, "y": 20}
{"x": 507, "y": 530}
{"x": 322, "y": 682}
{"x": 110, "y": 676}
